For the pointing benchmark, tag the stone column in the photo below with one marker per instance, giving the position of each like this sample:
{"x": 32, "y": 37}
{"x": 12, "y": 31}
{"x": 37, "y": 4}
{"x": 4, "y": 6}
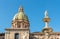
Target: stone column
{"x": 7, "y": 33}
{"x": 46, "y": 35}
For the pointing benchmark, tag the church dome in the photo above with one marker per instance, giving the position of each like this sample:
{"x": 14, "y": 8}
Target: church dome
{"x": 20, "y": 15}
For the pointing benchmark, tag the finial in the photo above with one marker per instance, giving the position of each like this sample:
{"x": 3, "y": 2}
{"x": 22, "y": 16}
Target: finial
{"x": 46, "y": 14}
{"x": 21, "y": 9}
{"x": 46, "y": 19}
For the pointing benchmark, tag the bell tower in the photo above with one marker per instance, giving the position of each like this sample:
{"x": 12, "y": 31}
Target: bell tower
{"x": 20, "y": 26}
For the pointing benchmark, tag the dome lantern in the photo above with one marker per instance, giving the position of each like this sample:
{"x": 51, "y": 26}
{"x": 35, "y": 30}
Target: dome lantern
{"x": 21, "y": 9}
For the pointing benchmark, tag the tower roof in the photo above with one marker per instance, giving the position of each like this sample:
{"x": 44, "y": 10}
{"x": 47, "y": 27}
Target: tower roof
{"x": 20, "y": 15}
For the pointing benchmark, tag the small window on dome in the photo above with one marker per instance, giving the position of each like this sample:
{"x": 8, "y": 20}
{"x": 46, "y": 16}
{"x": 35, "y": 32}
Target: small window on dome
{"x": 19, "y": 26}
{"x": 25, "y": 26}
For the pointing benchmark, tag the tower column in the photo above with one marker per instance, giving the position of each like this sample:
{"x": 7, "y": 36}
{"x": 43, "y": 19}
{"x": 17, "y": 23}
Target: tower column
{"x": 46, "y": 19}
{"x": 46, "y": 24}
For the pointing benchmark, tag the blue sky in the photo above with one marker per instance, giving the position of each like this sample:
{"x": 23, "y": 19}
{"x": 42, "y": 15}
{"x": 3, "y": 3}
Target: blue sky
{"x": 34, "y": 9}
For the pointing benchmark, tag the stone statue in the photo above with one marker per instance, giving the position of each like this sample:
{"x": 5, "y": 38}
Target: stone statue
{"x": 46, "y": 14}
